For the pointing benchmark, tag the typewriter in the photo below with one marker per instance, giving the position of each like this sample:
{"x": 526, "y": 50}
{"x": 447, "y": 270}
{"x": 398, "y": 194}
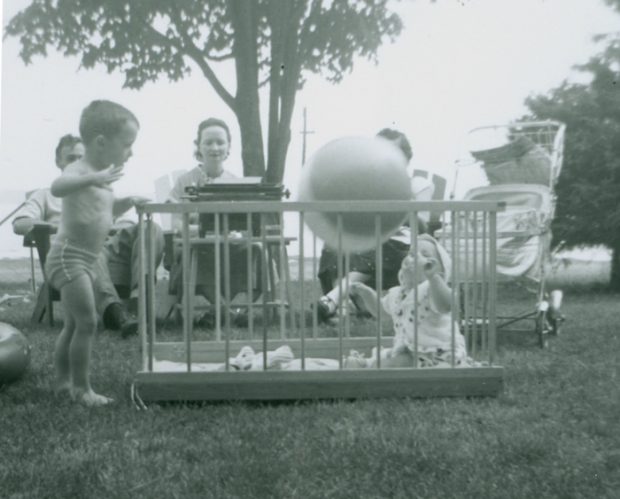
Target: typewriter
{"x": 236, "y": 191}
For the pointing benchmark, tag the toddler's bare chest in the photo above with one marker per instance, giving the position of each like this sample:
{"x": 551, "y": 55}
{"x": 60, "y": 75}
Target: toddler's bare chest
{"x": 92, "y": 204}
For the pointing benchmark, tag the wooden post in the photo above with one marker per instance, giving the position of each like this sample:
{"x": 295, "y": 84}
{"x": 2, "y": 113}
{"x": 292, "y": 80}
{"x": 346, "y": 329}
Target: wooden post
{"x": 305, "y": 132}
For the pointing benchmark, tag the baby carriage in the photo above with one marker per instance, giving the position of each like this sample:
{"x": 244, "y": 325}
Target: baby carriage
{"x": 521, "y": 172}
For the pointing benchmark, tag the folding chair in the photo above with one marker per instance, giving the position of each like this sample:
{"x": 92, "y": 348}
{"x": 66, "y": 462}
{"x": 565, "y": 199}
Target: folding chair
{"x": 40, "y": 237}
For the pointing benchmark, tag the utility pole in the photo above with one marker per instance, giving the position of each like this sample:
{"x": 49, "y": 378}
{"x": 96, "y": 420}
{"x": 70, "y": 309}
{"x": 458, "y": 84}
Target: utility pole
{"x": 305, "y": 132}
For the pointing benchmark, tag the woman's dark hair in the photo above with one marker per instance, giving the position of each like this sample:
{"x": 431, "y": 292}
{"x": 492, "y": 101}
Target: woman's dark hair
{"x": 403, "y": 142}
{"x": 66, "y": 141}
{"x": 206, "y": 124}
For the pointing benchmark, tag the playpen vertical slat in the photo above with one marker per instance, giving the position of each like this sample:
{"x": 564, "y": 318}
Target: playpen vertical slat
{"x": 264, "y": 284}
{"x": 379, "y": 283}
{"x": 413, "y": 224}
{"x": 466, "y": 286}
{"x": 317, "y": 284}
{"x": 150, "y": 289}
{"x": 453, "y": 288}
{"x": 540, "y": 251}
{"x": 187, "y": 295}
{"x": 339, "y": 265}
{"x": 485, "y": 284}
{"x": 147, "y": 349}
{"x": 249, "y": 276}
{"x": 492, "y": 285}
{"x": 217, "y": 278}
{"x": 225, "y": 230}
{"x": 476, "y": 321}
{"x": 347, "y": 316}
{"x": 443, "y": 240}
{"x": 282, "y": 277}
{"x": 286, "y": 282}
{"x": 302, "y": 296}
{"x": 340, "y": 277}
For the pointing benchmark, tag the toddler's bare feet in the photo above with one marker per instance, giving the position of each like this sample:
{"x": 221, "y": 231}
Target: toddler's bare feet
{"x": 90, "y": 399}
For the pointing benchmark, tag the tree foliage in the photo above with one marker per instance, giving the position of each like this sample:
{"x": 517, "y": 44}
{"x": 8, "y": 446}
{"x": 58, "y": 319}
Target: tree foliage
{"x": 273, "y": 42}
{"x": 588, "y": 207}
{"x": 615, "y": 4}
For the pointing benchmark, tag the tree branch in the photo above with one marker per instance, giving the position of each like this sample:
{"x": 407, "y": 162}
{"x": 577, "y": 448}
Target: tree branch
{"x": 220, "y": 58}
{"x": 196, "y": 55}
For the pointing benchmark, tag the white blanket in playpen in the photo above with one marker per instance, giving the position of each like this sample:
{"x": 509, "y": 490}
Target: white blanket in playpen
{"x": 280, "y": 359}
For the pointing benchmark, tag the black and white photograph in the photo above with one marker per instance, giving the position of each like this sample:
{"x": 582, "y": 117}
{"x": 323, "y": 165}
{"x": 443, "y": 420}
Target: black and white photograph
{"x": 310, "y": 249}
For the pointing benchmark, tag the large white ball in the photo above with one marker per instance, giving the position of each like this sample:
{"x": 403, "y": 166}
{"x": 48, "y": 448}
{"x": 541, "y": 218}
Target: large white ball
{"x": 355, "y": 169}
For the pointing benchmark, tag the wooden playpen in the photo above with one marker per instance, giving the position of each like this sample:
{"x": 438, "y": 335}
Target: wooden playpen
{"x": 190, "y": 363}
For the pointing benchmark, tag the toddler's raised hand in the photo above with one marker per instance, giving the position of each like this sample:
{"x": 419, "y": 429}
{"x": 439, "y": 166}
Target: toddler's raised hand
{"x": 108, "y": 175}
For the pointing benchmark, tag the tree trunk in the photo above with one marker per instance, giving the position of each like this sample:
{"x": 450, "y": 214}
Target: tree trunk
{"x": 614, "y": 281}
{"x": 252, "y": 156}
{"x": 247, "y": 102}
{"x": 284, "y": 18}
{"x": 277, "y": 15}
{"x": 275, "y": 171}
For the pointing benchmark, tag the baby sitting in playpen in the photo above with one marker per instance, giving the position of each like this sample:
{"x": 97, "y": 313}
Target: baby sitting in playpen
{"x": 435, "y": 322}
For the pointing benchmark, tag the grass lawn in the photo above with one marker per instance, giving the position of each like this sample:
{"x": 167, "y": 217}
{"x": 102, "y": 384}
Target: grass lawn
{"x": 553, "y": 432}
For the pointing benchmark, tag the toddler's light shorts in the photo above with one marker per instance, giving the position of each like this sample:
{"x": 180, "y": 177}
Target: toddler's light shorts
{"x": 66, "y": 262}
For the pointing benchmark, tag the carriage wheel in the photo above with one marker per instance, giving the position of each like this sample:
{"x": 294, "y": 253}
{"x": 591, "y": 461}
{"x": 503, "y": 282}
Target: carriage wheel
{"x": 542, "y": 329}
{"x": 556, "y": 325}
{"x": 555, "y": 317}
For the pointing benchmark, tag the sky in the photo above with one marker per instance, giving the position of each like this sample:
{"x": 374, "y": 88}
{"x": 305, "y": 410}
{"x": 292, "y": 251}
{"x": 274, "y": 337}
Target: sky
{"x": 456, "y": 65}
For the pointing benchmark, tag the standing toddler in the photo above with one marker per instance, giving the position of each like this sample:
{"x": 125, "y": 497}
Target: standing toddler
{"x": 108, "y": 131}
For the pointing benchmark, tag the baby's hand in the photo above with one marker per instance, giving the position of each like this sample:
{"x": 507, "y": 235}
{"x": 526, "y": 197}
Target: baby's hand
{"x": 431, "y": 267}
{"x": 108, "y": 175}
